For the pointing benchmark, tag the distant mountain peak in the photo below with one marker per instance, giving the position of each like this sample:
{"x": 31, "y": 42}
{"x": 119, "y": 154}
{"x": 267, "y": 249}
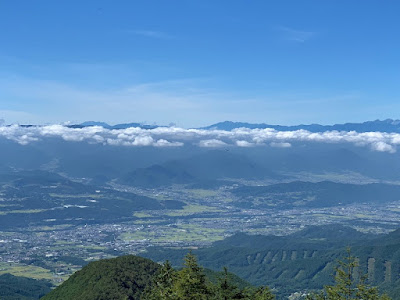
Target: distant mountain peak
{"x": 117, "y": 126}
{"x": 94, "y": 123}
{"x": 388, "y": 125}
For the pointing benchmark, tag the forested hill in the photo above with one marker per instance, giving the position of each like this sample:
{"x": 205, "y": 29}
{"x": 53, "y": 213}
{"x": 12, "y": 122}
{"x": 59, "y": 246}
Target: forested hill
{"x": 124, "y": 277}
{"x": 22, "y": 288}
{"x": 301, "y": 261}
{"x": 133, "y": 277}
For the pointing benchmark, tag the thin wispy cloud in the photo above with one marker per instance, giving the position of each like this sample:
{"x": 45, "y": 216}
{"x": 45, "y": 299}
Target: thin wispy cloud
{"x": 119, "y": 94}
{"x": 187, "y": 102}
{"x": 142, "y": 102}
{"x": 295, "y": 35}
{"x": 152, "y": 34}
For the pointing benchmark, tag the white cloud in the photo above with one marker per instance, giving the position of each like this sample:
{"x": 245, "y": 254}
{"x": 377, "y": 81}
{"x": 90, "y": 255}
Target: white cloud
{"x": 242, "y": 143}
{"x": 165, "y": 143}
{"x": 177, "y": 137}
{"x": 212, "y": 143}
{"x": 383, "y": 147}
{"x": 280, "y": 145}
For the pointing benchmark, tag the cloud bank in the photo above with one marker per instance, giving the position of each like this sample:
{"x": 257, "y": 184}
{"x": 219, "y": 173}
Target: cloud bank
{"x": 177, "y": 137}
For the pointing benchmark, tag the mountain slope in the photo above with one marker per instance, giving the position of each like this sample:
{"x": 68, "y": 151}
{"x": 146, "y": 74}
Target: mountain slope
{"x": 124, "y": 277}
{"x": 301, "y": 261}
{"x": 117, "y": 126}
{"x": 210, "y": 165}
{"x": 314, "y": 194}
{"x": 22, "y": 288}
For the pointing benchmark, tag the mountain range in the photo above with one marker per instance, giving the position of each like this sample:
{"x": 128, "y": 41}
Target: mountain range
{"x": 388, "y": 125}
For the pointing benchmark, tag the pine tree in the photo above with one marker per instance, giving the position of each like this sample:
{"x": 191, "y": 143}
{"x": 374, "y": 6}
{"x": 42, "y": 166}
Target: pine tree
{"x": 191, "y": 283}
{"x": 163, "y": 286}
{"x": 263, "y": 293}
{"x": 346, "y": 286}
{"x": 225, "y": 290}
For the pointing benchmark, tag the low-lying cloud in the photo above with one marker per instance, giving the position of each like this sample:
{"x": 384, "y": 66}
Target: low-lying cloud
{"x": 177, "y": 137}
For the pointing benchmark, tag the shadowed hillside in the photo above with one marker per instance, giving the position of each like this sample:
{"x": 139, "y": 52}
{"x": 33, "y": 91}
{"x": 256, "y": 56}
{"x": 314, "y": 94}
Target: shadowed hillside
{"x": 124, "y": 277}
{"x": 304, "y": 260}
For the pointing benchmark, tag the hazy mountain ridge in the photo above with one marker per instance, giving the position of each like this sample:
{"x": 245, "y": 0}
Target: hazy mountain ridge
{"x": 315, "y": 194}
{"x": 210, "y": 166}
{"x": 103, "y": 163}
{"x": 387, "y": 125}
{"x": 117, "y": 126}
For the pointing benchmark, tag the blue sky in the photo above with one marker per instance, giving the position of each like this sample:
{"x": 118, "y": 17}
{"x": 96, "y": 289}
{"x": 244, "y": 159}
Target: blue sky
{"x": 194, "y": 63}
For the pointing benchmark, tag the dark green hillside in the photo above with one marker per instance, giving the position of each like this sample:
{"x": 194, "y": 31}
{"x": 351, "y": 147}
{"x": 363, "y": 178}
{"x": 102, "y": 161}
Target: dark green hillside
{"x": 214, "y": 276}
{"x": 314, "y": 194}
{"x": 124, "y": 277}
{"x": 21, "y": 288}
{"x": 157, "y": 175}
{"x": 312, "y": 237}
{"x": 131, "y": 277}
{"x": 302, "y": 261}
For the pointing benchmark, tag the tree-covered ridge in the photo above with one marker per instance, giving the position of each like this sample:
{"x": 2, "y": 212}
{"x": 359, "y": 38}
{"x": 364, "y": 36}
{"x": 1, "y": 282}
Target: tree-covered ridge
{"x": 132, "y": 277}
{"x": 350, "y": 283}
{"x": 191, "y": 283}
{"x": 124, "y": 277}
{"x": 301, "y": 261}
{"x": 21, "y": 288}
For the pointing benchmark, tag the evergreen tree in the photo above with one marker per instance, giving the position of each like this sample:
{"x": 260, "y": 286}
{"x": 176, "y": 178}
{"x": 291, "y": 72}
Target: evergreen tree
{"x": 346, "y": 286}
{"x": 263, "y": 293}
{"x": 225, "y": 290}
{"x": 191, "y": 283}
{"x": 162, "y": 288}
